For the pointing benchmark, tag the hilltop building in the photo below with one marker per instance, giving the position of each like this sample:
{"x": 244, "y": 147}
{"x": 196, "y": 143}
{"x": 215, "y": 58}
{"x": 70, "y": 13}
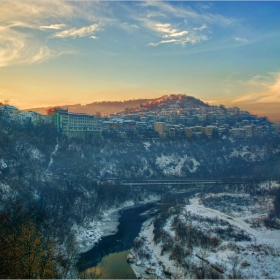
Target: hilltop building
{"x": 75, "y": 125}
{"x": 170, "y": 116}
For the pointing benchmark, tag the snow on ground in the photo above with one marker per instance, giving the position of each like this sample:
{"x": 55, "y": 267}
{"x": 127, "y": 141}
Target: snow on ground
{"x": 90, "y": 234}
{"x": 269, "y": 185}
{"x": 251, "y": 208}
{"x": 248, "y": 253}
{"x": 147, "y": 145}
{"x": 148, "y": 262}
{"x": 36, "y": 154}
{"x": 172, "y": 164}
{"x": 6, "y": 191}
{"x": 259, "y": 258}
{"x": 269, "y": 237}
{"x": 52, "y": 154}
{"x": 3, "y": 165}
{"x": 248, "y": 155}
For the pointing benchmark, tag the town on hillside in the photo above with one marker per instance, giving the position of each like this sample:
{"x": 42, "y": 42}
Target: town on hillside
{"x": 167, "y": 117}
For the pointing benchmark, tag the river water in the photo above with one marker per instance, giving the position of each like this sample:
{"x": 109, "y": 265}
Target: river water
{"x": 109, "y": 255}
{"x": 107, "y": 259}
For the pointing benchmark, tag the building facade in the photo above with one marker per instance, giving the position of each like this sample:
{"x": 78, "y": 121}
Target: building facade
{"x": 75, "y": 125}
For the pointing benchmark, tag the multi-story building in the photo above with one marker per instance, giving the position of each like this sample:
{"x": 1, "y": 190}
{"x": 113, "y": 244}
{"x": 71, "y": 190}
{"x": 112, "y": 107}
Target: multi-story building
{"x": 189, "y": 131}
{"x": 249, "y": 131}
{"x": 199, "y": 128}
{"x": 161, "y": 128}
{"x": 276, "y": 127}
{"x": 75, "y": 125}
{"x": 209, "y": 130}
{"x": 238, "y": 132}
{"x": 10, "y": 112}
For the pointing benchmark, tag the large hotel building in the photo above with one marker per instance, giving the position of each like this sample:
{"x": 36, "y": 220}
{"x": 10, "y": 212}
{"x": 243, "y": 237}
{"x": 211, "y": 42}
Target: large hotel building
{"x": 75, "y": 125}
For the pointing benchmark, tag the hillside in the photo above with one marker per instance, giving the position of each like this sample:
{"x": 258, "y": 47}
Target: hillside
{"x": 168, "y": 102}
{"x": 224, "y": 234}
{"x": 104, "y": 107}
{"x": 110, "y": 107}
{"x": 62, "y": 184}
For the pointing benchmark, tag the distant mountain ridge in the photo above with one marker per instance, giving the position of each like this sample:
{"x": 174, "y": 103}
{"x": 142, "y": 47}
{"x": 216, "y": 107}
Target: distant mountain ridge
{"x": 110, "y": 107}
{"x": 104, "y": 107}
{"x": 169, "y": 102}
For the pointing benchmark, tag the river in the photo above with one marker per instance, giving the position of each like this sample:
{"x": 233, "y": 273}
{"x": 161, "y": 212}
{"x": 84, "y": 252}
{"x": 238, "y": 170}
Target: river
{"x": 109, "y": 255}
{"x": 107, "y": 259}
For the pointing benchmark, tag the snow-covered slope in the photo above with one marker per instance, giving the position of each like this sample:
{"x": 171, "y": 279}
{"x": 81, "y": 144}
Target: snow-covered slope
{"x": 203, "y": 242}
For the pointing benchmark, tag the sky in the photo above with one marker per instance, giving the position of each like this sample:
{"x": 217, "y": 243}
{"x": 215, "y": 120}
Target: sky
{"x": 55, "y": 53}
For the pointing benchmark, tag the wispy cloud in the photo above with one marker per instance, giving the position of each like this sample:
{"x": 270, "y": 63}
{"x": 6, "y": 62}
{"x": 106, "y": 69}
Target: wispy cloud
{"x": 21, "y": 48}
{"x": 80, "y": 32}
{"x": 204, "y": 26}
{"x": 184, "y": 12}
{"x": 93, "y": 37}
{"x": 241, "y": 40}
{"x": 173, "y": 35}
{"x": 193, "y": 39}
{"x": 263, "y": 90}
{"x": 21, "y": 41}
{"x": 163, "y": 42}
{"x": 53, "y": 26}
{"x": 135, "y": 26}
{"x": 167, "y": 29}
{"x": 178, "y": 24}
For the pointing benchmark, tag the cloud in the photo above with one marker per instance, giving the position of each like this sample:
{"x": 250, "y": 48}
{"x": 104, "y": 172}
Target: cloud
{"x": 204, "y": 26}
{"x": 23, "y": 26}
{"x": 135, "y": 26}
{"x": 168, "y": 30}
{"x": 179, "y": 22}
{"x": 204, "y": 6}
{"x": 80, "y": 32}
{"x": 178, "y": 11}
{"x": 241, "y": 40}
{"x": 21, "y": 48}
{"x": 172, "y": 35}
{"x": 182, "y": 42}
{"x": 39, "y": 13}
{"x": 53, "y": 26}
{"x": 176, "y": 34}
{"x": 163, "y": 42}
{"x": 263, "y": 90}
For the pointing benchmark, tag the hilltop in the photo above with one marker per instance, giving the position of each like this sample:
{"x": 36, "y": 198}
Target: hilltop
{"x": 171, "y": 103}
{"x": 110, "y": 107}
{"x": 104, "y": 107}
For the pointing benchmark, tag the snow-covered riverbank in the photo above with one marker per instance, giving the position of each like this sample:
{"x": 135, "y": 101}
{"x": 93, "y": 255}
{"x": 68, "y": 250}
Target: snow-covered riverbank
{"x": 242, "y": 250}
{"x": 107, "y": 224}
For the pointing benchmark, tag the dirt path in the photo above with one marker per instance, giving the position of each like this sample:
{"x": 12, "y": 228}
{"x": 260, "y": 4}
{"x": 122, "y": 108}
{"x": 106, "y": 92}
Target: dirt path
{"x": 271, "y": 237}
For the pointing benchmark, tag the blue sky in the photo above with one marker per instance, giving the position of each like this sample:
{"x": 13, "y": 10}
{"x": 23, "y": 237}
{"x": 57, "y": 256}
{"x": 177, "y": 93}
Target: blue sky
{"x": 54, "y": 53}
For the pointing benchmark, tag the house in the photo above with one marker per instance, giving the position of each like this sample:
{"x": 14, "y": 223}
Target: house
{"x": 238, "y": 133}
{"x": 161, "y": 128}
{"x": 11, "y": 112}
{"x": 209, "y": 130}
{"x": 189, "y": 132}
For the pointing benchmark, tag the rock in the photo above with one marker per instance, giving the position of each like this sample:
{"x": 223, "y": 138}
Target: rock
{"x": 167, "y": 272}
{"x": 130, "y": 260}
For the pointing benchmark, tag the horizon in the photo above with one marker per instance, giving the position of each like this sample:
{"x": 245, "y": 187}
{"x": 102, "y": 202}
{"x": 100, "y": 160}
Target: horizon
{"x": 72, "y": 53}
{"x": 276, "y": 119}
